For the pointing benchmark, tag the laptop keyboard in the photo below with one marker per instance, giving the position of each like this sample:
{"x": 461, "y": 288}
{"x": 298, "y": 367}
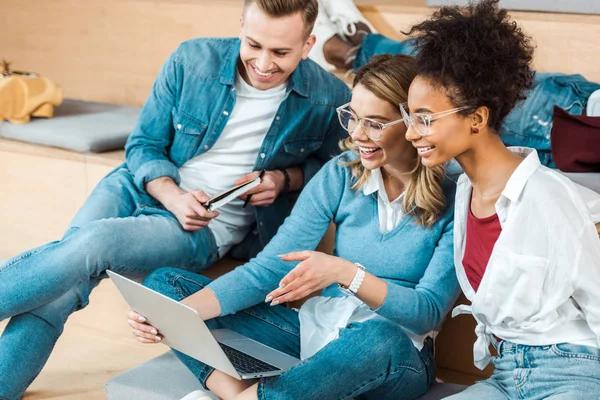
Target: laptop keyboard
{"x": 246, "y": 363}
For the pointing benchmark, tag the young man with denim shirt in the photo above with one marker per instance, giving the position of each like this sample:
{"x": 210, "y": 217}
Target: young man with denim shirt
{"x": 140, "y": 217}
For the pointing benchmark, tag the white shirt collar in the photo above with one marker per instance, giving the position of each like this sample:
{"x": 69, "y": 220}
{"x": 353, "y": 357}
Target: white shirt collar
{"x": 375, "y": 184}
{"x": 518, "y": 179}
{"x": 521, "y": 175}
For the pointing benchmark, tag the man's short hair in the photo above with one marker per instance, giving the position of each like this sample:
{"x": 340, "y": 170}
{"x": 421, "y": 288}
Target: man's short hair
{"x": 281, "y": 8}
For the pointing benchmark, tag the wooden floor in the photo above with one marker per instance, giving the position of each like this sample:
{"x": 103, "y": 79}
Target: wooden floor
{"x": 97, "y": 344}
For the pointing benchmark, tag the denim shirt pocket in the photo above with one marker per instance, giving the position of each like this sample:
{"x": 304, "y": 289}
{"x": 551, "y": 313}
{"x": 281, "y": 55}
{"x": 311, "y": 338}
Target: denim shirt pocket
{"x": 516, "y": 284}
{"x": 301, "y": 148}
{"x": 189, "y": 133}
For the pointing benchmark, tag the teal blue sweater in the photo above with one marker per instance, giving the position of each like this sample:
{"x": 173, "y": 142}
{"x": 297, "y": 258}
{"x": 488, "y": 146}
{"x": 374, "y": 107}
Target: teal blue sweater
{"x": 416, "y": 262}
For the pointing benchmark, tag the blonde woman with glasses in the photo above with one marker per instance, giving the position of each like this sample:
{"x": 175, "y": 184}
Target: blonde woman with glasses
{"x": 389, "y": 285}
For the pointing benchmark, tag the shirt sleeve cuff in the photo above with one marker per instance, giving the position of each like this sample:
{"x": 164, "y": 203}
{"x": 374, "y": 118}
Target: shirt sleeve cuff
{"x": 155, "y": 169}
{"x": 231, "y": 301}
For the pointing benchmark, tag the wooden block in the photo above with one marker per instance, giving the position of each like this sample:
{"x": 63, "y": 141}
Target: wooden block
{"x": 454, "y": 345}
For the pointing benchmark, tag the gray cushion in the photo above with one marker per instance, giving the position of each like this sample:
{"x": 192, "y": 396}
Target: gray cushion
{"x": 589, "y": 179}
{"x": 166, "y": 378}
{"x": 162, "y": 378}
{"x": 78, "y": 125}
{"x": 442, "y": 390}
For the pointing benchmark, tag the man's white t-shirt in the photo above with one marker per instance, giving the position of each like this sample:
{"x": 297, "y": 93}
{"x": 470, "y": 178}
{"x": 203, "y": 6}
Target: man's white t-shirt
{"x": 233, "y": 155}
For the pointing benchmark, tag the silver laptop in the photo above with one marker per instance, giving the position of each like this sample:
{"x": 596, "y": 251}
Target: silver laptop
{"x": 184, "y": 330}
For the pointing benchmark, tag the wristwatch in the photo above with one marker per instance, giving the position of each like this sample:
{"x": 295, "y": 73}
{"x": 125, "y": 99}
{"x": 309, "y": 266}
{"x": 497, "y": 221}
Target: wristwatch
{"x": 356, "y": 282}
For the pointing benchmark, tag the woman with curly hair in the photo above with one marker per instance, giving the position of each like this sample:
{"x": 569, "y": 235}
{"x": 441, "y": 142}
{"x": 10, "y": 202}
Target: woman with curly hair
{"x": 388, "y": 287}
{"x": 527, "y": 254}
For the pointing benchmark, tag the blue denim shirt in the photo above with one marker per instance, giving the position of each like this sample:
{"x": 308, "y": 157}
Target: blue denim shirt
{"x": 188, "y": 109}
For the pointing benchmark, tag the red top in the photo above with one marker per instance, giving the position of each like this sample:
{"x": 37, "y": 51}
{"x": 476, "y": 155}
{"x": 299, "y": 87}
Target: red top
{"x": 482, "y": 234}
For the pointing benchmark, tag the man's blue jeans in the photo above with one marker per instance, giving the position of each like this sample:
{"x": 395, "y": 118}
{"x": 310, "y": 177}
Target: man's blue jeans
{"x": 370, "y": 360}
{"x": 558, "y": 372}
{"x": 118, "y": 228}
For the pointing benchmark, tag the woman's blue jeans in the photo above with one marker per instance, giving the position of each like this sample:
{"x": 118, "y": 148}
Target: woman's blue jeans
{"x": 557, "y": 372}
{"x": 370, "y": 360}
{"x": 118, "y": 228}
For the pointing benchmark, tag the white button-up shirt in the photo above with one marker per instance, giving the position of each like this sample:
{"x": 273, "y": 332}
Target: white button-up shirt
{"x": 542, "y": 282}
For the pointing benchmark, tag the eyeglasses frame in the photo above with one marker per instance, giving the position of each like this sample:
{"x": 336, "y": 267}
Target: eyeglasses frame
{"x": 342, "y": 108}
{"x": 409, "y": 117}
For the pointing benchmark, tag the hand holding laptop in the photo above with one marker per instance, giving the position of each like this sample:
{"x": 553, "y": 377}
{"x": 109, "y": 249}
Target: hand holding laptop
{"x": 143, "y": 331}
{"x": 183, "y": 328}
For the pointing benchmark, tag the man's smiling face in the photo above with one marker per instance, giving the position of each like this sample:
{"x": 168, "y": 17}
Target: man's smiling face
{"x": 271, "y": 48}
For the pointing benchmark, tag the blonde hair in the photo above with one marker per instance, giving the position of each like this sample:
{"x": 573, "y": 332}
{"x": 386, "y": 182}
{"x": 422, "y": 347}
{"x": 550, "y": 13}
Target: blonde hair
{"x": 281, "y": 8}
{"x": 389, "y": 77}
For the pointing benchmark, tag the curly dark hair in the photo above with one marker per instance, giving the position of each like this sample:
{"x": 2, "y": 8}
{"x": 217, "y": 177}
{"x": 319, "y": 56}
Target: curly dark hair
{"x": 477, "y": 55}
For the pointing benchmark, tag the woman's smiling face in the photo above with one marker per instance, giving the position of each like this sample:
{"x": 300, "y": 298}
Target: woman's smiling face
{"x": 392, "y": 150}
{"x": 448, "y": 137}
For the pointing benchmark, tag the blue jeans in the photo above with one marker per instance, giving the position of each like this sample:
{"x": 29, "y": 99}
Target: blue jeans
{"x": 378, "y": 44}
{"x": 558, "y": 372}
{"x": 370, "y": 360}
{"x": 119, "y": 228}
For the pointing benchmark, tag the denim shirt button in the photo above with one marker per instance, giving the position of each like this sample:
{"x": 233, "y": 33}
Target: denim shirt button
{"x": 179, "y": 127}
{"x": 277, "y": 118}
{"x": 205, "y": 147}
{"x": 225, "y": 113}
{"x": 302, "y": 150}
{"x": 262, "y": 155}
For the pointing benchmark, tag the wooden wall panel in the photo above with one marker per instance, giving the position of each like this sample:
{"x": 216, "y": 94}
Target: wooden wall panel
{"x": 112, "y": 50}
{"x": 106, "y": 50}
{"x": 42, "y": 189}
{"x": 33, "y": 212}
{"x": 568, "y": 43}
